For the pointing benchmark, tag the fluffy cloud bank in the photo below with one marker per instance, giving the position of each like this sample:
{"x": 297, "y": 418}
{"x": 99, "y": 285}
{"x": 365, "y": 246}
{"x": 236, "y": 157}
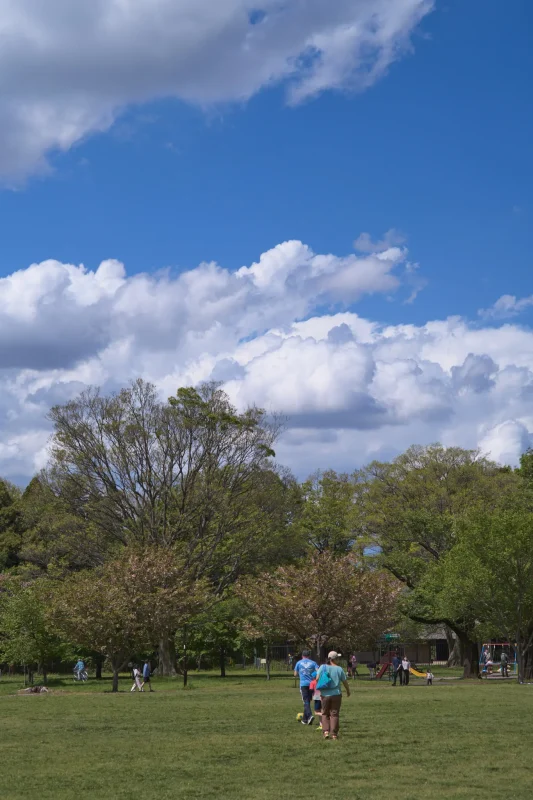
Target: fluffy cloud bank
{"x": 67, "y": 69}
{"x": 278, "y": 333}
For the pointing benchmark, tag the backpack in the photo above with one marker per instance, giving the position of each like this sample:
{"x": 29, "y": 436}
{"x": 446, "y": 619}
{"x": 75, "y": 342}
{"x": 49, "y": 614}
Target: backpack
{"x": 324, "y": 679}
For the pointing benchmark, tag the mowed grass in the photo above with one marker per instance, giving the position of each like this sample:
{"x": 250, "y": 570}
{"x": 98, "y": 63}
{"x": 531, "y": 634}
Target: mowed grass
{"x": 238, "y": 738}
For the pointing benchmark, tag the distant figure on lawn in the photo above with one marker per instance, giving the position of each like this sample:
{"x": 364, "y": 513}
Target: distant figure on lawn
{"x": 397, "y": 670}
{"x": 504, "y": 661}
{"x": 352, "y": 666}
{"x": 332, "y": 694}
{"x": 136, "y": 675}
{"x": 406, "y": 666}
{"x": 147, "y": 673}
{"x": 306, "y": 669}
{"x": 79, "y": 666}
{"x": 429, "y": 677}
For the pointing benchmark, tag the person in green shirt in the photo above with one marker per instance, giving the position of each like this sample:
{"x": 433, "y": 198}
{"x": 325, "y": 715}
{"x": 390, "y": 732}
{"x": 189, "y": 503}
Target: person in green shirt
{"x": 332, "y": 695}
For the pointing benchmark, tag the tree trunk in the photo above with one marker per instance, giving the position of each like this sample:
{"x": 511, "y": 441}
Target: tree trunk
{"x": 115, "y": 680}
{"x": 454, "y": 649}
{"x": 267, "y": 659}
{"x": 45, "y": 676}
{"x": 222, "y": 655}
{"x": 99, "y": 663}
{"x": 185, "y": 657}
{"x": 469, "y": 656}
{"x": 524, "y": 661}
{"x": 167, "y": 656}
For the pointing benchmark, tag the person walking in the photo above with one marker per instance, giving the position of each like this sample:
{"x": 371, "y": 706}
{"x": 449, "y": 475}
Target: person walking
{"x": 352, "y": 664}
{"x": 147, "y": 673}
{"x": 306, "y": 669}
{"x": 429, "y": 677}
{"x": 504, "y": 662}
{"x": 332, "y": 694}
{"x": 397, "y": 670}
{"x": 136, "y": 675}
{"x": 406, "y": 666}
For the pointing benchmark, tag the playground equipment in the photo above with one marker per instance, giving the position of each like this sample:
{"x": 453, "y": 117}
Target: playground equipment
{"x": 490, "y": 660}
{"x": 417, "y": 673}
{"x": 389, "y": 647}
{"x": 386, "y": 666}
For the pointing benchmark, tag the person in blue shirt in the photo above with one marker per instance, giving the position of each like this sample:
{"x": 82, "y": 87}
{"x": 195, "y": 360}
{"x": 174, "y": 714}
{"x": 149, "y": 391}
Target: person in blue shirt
{"x": 397, "y": 670}
{"x": 306, "y": 670}
{"x": 79, "y": 668}
{"x": 146, "y": 676}
{"x": 332, "y": 695}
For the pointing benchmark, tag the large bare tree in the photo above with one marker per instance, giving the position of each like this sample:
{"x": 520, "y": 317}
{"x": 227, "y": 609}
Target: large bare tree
{"x": 192, "y": 474}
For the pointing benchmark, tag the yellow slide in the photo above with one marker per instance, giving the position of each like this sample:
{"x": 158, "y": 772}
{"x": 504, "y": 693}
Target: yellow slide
{"x": 416, "y": 673}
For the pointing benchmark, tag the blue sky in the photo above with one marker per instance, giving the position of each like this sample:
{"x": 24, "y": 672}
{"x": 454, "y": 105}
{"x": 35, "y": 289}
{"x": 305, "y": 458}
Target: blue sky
{"x": 440, "y": 149}
{"x": 437, "y": 148}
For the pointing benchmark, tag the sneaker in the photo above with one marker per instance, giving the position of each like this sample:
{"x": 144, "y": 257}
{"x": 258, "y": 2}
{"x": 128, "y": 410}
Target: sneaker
{"x": 310, "y": 720}
{"x": 319, "y": 727}
{"x": 303, "y": 722}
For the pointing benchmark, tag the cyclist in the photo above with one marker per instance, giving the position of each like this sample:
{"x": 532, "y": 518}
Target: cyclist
{"x": 79, "y": 670}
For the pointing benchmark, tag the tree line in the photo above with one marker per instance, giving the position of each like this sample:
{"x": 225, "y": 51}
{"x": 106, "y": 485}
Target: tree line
{"x": 169, "y": 527}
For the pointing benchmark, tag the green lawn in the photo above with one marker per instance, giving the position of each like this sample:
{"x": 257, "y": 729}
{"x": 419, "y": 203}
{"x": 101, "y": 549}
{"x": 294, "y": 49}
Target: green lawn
{"x": 238, "y": 738}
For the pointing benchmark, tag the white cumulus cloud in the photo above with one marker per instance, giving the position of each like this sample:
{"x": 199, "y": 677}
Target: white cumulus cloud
{"x": 68, "y": 69}
{"x": 281, "y": 333}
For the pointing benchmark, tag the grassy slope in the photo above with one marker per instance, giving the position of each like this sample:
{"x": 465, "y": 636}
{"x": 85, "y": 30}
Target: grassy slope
{"x": 239, "y": 738}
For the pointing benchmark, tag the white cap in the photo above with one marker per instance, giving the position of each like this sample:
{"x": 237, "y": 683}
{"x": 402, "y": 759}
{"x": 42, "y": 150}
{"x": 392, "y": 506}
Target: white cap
{"x": 333, "y": 655}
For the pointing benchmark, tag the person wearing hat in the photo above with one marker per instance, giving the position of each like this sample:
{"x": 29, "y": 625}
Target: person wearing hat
{"x": 332, "y": 694}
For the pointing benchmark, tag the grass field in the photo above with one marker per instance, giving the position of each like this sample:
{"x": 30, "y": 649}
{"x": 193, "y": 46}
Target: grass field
{"x": 238, "y": 738}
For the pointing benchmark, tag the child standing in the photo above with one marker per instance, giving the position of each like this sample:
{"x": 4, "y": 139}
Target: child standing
{"x": 429, "y": 677}
{"x": 317, "y": 700}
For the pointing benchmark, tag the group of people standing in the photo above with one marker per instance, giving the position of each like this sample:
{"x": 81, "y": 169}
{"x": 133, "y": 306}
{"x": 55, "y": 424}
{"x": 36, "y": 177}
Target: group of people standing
{"x": 322, "y": 685}
{"x": 401, "y": 669}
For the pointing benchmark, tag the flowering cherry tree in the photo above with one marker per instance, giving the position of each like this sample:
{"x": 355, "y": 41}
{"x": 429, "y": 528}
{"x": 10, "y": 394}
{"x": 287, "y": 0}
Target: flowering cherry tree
{"x": 127, "y": 604}
{"x": 323, "y": 600}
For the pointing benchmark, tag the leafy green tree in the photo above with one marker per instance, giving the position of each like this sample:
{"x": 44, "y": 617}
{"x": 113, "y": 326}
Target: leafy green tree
{"x": 127, "y": 604}
{"x": 26, "y": 636}
{"x": 488, "y": 576}
{"x": 324, "y": 600}
{"x": 215, "y": 633}
{"x": 11, "y": 525}
{"x": 525, "y": 470}
{"x": 58, "y": 538}
{"x": 326, "y": 519}
{"x": 409, "y": 509}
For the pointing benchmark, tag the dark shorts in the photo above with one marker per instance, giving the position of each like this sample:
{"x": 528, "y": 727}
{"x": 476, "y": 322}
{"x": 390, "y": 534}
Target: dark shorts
{"x": 318, "y": 705}
{"x": 146, "y": 680}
